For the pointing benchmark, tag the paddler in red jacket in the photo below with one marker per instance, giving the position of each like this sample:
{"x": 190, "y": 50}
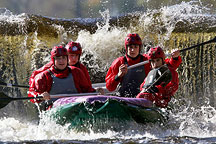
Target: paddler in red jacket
{"x": 129, "y": 81}
{"x": 59, "y": 78}
{"x": 74, "y": 50}
{"x": 161, "y": 82}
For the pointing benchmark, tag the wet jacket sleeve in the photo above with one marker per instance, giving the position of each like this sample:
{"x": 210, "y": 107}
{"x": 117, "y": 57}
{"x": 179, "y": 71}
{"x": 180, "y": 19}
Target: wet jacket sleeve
{"x": 166, "y": 93}
{"x": 80, "y": 81}
{"x": 45, "y": 67}
{"x": 41, "y": 83}
{"x": 111, "y": 77}
{"x": 174, "y": 62}
{"x": 86, "y": 73}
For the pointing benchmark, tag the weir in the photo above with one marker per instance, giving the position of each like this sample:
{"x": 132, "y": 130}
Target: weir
{"x": 26, "y": 44}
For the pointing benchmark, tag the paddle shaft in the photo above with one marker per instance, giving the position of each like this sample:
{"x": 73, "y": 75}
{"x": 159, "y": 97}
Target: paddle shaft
{"x": 201, "y": 44}
{"x": 71, "y": 95}
{"x": 185, "y": 49}
{"x": 57, "y": 96}
{"x": 142, "y": 63}
{"x": 21, "y": 98}
{"x": 4, "y": 99}
{"x": 130, "y": 67}
{"x": 65, "y": 95}
{"x": 12, "y": 85}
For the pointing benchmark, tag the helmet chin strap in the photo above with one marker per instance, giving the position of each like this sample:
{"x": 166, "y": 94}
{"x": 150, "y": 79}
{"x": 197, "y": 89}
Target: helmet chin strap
{"x": 163, "y": 61}
{"x": 60, "y": 69}
{"x": 134, "y": 58}
{"x": 76, "y": 64}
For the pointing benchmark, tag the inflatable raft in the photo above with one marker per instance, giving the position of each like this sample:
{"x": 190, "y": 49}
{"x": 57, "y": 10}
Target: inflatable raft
{"x": 100, "y": 113}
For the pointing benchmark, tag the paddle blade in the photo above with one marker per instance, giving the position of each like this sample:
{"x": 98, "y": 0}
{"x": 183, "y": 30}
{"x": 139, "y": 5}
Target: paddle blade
{"x": 4, "y": 100}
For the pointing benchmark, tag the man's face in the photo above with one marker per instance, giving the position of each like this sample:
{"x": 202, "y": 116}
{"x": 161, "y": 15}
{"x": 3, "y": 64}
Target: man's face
{"x": 155, "y": 63}
{"x": 133, "y": 50}
{"x": 61, "y": 62}
{"x": 73, "y": 59}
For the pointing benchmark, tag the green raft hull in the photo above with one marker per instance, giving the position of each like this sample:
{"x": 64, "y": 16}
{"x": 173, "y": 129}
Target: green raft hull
{"x": 111, "y": 114}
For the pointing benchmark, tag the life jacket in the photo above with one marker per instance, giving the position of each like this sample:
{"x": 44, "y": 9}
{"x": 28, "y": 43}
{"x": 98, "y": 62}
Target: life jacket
{"x": 130, "y": 84}
{"x": 61, "y": 86}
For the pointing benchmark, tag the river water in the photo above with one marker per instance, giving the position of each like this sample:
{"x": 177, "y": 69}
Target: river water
{"x": 26, "y": 41}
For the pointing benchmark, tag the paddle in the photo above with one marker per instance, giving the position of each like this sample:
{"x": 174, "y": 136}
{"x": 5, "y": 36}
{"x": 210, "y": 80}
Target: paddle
{"x": 185, "y": 49}
{"x": 130, "y": 67}
{"x": 12, "y": 85}
{"x": 4, "y": 99}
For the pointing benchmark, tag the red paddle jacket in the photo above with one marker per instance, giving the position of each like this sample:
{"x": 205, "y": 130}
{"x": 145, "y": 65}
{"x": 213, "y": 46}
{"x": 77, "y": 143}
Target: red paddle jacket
{"x": 45, "y": 67}
{"x": 164, "y": 94}
{"x": 43, "y": 81}
{"x": 111, "y": 83}
{"x": 86, "y": 73}
{"x": 48, "y": 65}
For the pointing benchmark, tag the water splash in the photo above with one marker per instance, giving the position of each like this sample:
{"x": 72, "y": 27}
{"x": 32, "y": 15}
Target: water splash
{"x": 156, "y": 27}
{"x": 197, "y": 122}
{"x": 7, "y": 16}
{"x": 104, "y": 44}
{"x": 192, "y": 122}
{"x": 166, "y": 20}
